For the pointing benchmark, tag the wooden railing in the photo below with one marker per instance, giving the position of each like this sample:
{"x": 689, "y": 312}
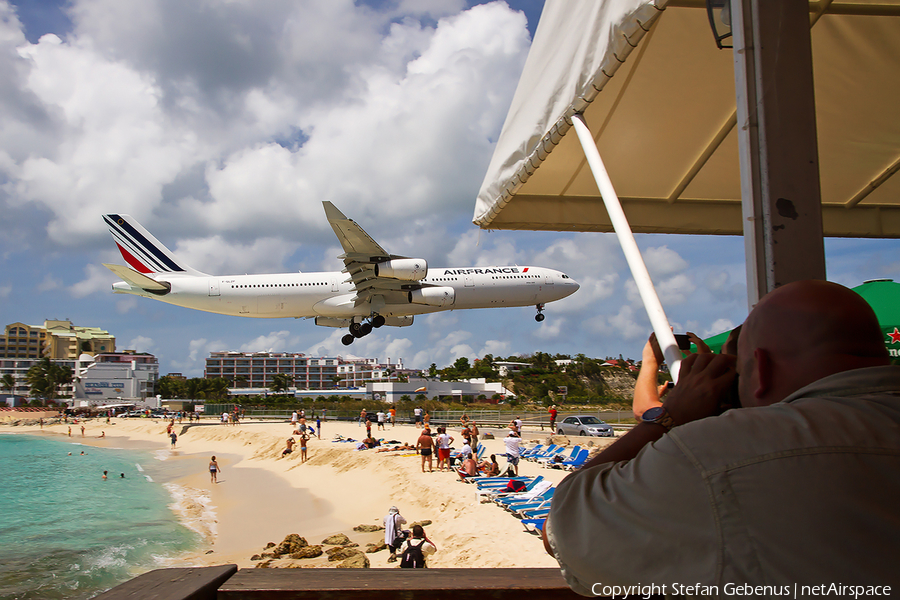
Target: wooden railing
{"x": 226, "y": 582}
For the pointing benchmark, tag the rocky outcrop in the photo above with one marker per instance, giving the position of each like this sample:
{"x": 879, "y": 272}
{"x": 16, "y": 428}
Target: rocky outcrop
{"x": 367, "y": 528}
{"x": 356, "y": 561}
{"x": 424, "y": 523}
{"x": 292, "y": 543}
{"x": 370, "y": 548}
{"x": 338, "y": 539}
{"x": 341, "y": 553}
{"x": 307, "y": 552}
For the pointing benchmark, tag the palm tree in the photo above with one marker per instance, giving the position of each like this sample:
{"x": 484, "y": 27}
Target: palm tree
{"x": 46, "y": 377}
{"x": 281, "y": 382}
{"x": 8, "y": 382}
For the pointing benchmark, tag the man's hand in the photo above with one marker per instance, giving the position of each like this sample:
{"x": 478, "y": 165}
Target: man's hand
{"x": 704, "y": 380}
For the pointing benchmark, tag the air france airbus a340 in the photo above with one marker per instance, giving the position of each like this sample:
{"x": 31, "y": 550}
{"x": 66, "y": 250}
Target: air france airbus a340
{"x": 374, "y": 289}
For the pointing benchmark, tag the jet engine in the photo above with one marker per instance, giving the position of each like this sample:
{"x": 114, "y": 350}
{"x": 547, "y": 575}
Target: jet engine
{"x": 433, "y": 296}
{"x": 407, "y": 269}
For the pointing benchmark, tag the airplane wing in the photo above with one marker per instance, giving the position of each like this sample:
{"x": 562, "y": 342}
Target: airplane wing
{"x": 138, "y": 279}
{"x": 362, "y": 256}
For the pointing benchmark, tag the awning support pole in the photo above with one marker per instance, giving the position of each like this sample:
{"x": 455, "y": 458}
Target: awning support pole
{"x": 654, "y": 308}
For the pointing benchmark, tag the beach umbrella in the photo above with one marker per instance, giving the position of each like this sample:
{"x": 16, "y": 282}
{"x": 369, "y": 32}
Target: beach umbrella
{"x": 883, "y": 295}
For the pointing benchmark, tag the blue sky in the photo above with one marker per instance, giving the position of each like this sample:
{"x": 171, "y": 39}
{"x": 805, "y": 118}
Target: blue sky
{"x": 222, "y": 126}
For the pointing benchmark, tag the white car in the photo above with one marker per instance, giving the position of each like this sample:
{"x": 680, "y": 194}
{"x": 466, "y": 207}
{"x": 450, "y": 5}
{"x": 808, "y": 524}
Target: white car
{"x": 584, "y": 425}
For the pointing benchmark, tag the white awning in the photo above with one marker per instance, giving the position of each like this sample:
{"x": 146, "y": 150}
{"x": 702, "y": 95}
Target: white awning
{"x": 660, "y": 101}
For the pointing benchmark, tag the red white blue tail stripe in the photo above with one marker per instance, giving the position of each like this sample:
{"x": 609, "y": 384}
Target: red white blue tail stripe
{"x": 143, "y": 252}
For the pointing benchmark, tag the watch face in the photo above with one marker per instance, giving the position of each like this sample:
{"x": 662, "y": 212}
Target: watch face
{"x": 653, "y": 414}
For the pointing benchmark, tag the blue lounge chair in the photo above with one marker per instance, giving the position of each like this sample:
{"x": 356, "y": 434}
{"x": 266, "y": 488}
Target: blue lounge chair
{"x": 574, "y": 462}
{"x": 548, "y": 453}
{"x": 538, "y": 525}
{"x": 535, "y": 453}
{"x": 530, "y": 451}
{"x": 549, "y": 459}
{"x": 536, "y": 513}
{"x": 501, "y": 492}
{"x": 537, "y": 494}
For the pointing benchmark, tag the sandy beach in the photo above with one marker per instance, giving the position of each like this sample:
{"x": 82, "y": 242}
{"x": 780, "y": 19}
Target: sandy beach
{"x": 261, "y": 496}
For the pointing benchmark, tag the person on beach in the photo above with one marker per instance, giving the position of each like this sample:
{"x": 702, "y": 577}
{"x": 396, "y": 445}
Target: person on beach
{"x": 741, "y": 495}
{"x": 473, "y": 434}
{"x": 174, "y": 437}
{"x": 102, "y": 434}
{"x": 82, "y": 431}
{"x": 368, "y": 428}
{"x": 294, "y": 418}
{"x": 304, "y": 437}
{"x": 318, "y": 428}
{"x": 425, "y": 446}
{"x": 290, "y": 447}
{"x": 417, "y": 549}
{"x": 426, "y": 419}
{"x": 469, "y": 468}
{"x": 393, "y": 535}
{"x": 443, "y": 448}
{"x": 362, "y": 417}
{"x": 417, "y": 414}
{"x": 492, "y": 469}
{"x": 214, "y": 470}
{"x": 380, "y": 417}
{"x": 393, "y": 413}
{"x": 513, "y": 449}
{"x": 70, "y": 431}
{"x": 553, "y": 413}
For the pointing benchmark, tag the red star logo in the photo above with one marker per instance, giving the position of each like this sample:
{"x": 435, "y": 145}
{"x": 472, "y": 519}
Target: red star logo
{"x": 895, "y": 337}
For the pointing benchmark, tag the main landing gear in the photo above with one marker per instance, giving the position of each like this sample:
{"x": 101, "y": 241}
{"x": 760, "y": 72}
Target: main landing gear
{"x": 540, "y": 314}
{"x": 358, "y": 330}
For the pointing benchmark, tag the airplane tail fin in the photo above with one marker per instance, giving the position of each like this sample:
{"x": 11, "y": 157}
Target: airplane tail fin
{"x": 141, "y": 251}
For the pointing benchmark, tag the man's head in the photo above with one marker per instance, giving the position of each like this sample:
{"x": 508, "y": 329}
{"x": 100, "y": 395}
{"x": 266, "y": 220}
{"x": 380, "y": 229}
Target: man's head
{"x": 801, "y": 332}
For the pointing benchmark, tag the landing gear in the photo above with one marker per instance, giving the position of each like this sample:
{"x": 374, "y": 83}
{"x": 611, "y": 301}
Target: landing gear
{"x": 358, "y": 330}
{"x": 540, "y": 313}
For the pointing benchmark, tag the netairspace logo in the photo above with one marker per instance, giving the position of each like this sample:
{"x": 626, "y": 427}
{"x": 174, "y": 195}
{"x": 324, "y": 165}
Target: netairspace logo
{"x": 835, "y": 590}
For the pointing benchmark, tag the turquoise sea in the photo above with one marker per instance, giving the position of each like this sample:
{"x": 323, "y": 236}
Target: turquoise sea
{"x": 67, "y": 533}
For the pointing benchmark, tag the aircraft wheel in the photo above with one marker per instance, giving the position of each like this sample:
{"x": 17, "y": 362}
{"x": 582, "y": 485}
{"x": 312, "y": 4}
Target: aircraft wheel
{"x": 354, "y": 329}
{"x": 378, "y": 321}
{"x": 539, "y": 317}
{"x": 347, "y": 339}
{"x": 365, "y": 329}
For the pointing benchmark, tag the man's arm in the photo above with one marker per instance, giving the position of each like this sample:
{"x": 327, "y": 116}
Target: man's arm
{"x": 646, "y": 392}
{"x": 704, "y": 380}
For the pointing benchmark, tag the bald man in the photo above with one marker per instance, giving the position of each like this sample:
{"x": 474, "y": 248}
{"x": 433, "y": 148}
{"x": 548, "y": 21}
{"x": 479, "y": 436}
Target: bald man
{"x": 800, "y": 486}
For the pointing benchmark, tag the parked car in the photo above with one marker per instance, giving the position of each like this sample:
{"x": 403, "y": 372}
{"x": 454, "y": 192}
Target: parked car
{"x": 584, "y": 425}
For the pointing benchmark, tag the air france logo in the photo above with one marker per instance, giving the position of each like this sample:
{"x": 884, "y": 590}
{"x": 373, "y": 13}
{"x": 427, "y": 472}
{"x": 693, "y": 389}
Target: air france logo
{"x": 484, "y": 271}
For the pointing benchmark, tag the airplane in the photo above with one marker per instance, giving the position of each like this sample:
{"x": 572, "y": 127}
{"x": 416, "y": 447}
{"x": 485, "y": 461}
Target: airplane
{"x": 374, "y": 289}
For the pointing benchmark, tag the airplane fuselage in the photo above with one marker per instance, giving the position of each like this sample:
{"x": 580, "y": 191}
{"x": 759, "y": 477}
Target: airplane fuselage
{"x": 330, "y": 295}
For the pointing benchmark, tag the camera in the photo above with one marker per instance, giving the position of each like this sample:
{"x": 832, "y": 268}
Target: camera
{"x": 684, "y": 343}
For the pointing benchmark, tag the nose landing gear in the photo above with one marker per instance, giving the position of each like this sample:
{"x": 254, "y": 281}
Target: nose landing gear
{"x": 540, "y": 313}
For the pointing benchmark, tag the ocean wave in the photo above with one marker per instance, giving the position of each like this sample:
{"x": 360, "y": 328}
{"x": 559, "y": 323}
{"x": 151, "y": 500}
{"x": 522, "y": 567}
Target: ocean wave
{"x": 194, "y": 509}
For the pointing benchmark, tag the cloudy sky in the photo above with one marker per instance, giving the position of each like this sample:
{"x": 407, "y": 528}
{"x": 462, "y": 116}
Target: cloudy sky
{"x": 221, "y": 125}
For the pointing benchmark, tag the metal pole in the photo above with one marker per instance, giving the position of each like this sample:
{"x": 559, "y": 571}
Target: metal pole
{"x": 654, "y": 308}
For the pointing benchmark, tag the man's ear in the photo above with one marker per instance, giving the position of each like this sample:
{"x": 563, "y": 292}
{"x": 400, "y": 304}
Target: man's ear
{"x": 764, "y": 374}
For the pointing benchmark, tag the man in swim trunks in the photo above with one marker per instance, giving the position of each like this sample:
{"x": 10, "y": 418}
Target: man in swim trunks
{"x": 425, "y": 446}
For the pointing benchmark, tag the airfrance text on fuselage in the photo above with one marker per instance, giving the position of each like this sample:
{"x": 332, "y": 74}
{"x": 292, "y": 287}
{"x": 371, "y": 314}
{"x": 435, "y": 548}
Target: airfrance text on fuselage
{"x": 483, "y": 271}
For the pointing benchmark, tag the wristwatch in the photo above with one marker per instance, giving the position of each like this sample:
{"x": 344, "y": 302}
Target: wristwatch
{"x": 658, "y": 415}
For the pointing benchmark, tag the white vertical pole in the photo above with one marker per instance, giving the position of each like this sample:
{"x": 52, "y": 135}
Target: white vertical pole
{"x": 632, "y": 255}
